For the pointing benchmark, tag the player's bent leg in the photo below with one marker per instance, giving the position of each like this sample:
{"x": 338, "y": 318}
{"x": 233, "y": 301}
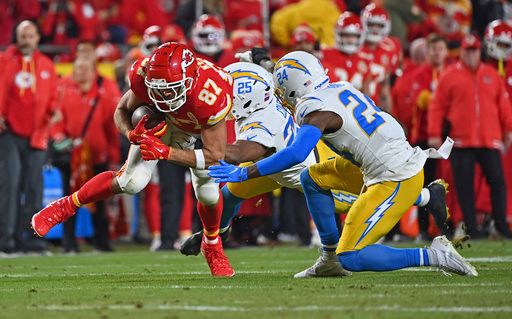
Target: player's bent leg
{"x": 209, "y": 207}
{"x": 135, "y": 175}
{"x": 321, "y": 207}
{"x": 373, "y": 215}
{"x": 231, "y": 205}
{"x": 233, "y": 194}
{"x": 100, "y": 187}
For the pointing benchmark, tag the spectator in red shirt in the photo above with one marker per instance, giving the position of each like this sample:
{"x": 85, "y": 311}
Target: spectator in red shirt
{"x": 68, "y": 21}
{"x": 472, "y": 99}
{"x": 26, "y": 95}
{"x": 86, "y": 94}
{"x": 422, "y": 85}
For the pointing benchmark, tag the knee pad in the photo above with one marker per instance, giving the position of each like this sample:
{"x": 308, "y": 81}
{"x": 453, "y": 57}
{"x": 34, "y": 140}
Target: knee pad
{"x": 349, "y": 260}
{"x": 208, "y": 194}
{"x": 134, "y": 182}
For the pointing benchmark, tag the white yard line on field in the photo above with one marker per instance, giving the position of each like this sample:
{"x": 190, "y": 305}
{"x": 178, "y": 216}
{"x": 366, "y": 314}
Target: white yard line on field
{"x": 141, "y": 273}
{"x": 316, "y": 308}
{"x": 214, "y": 287}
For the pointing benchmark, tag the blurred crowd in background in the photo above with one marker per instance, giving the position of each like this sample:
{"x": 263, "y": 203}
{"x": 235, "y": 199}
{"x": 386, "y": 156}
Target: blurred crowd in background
{"x": 439, "y": 66}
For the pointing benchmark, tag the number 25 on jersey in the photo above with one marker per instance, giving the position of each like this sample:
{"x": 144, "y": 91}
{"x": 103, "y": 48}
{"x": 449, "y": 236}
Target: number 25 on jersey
{"x": 365, "y": 112}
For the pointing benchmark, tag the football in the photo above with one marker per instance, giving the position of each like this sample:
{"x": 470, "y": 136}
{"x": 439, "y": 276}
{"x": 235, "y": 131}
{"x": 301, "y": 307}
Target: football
{"x": 155, "y": 116}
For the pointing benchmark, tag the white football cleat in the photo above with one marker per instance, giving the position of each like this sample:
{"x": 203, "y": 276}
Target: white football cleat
{"x": 448, "y": 259}
{"x": 327, "y": 265}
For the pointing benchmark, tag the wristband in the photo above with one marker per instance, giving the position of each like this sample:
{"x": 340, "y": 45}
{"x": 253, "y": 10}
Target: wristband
{"x": 200, "y": 162}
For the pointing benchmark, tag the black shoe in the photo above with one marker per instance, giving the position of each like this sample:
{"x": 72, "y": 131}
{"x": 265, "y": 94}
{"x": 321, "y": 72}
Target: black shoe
{"x": 192, "y": 245}
{"x": 437, "y": 203}
{"x": 34, "y": 246}
{"x": 166, "y": 247}
{"x": 105, "y": 248}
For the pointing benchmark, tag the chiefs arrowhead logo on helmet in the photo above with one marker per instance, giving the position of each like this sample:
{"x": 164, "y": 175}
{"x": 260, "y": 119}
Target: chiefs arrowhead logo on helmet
{"x": 187, "y": 57}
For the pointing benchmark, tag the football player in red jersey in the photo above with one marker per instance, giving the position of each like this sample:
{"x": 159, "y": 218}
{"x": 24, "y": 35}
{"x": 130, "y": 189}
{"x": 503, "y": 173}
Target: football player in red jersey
{"x": 348, "y": 64}
{"x": 196, "y": 96}
{"x": 381, "y": 51}
{"x": 498, "y": 45}
{"x": 208, "y": 37}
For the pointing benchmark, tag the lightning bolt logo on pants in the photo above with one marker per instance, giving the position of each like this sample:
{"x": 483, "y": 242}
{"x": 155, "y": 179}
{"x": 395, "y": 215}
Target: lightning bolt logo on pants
{"x": 379, "y": 213}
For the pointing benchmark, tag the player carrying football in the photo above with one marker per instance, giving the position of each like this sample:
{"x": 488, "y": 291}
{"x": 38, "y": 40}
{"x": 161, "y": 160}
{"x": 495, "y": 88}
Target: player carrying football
{"x": 351, "y": 124}
{"x": 196, "y": 96}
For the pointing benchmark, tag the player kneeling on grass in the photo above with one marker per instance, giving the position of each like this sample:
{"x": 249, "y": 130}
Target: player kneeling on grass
{"x": 263, "y": 127}
{"x": 351, "y": 124}
{"x": 196, "y": 96}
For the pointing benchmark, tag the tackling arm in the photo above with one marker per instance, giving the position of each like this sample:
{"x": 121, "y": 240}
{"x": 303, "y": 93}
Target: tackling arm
{"x": 244, "y": 151}
{"x": 308, "y": 135}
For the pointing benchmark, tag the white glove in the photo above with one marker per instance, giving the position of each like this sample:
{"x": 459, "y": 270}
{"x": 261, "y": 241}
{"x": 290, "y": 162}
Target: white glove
{"x": 244, "y": 56}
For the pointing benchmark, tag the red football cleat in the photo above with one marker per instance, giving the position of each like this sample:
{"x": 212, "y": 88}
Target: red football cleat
{"x": 57, "y": 212}
{"x": 218, "y": 262}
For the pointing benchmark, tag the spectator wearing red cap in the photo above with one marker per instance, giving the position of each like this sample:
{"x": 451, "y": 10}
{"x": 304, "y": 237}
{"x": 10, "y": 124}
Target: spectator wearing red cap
{"x": 303, "y": 39}
{"x": 472, "y": 100}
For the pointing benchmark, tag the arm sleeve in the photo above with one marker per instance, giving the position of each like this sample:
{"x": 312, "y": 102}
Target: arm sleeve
{"x": 305, "y": 141}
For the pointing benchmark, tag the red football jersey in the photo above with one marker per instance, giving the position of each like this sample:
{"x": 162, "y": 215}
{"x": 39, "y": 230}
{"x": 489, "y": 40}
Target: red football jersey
{"x": 351, "y": 68}
{"x": 208, "y": 102}
{"x": 384, "y": 61}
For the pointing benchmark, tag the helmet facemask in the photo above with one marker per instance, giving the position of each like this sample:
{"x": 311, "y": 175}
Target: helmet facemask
{"x": 499, "y": 48}
{"x": 377, "y": 30}
{"x": 209, "y": 41}
{"x": 348, "y": 42}
{"x": 173, "y": 94}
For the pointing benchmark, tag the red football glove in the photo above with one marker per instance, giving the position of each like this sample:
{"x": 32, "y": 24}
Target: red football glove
{"x": 140, "y": 132}
{"x": 151, "y": 148}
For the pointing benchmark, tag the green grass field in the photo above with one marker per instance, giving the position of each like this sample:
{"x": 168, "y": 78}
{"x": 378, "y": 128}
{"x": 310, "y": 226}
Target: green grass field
{"x": 133, "y": 283}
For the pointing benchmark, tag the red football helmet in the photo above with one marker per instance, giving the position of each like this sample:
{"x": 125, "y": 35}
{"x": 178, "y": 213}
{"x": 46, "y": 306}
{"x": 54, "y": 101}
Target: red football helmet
{"x": 376, "y": 23}
{"x": 498, "y": 39}
{"x": 170, "y": 75}
{"x": 208, "y": 35}
{"x": 349, "y": 33}
{"x": 173, "y": 33}
{"x": 150, "y": 39}
{"x": 243, "y": 40}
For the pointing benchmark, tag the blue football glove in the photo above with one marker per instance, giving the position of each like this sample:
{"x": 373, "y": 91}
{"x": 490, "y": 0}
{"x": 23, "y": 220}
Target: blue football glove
{"x": 225, "y": 172}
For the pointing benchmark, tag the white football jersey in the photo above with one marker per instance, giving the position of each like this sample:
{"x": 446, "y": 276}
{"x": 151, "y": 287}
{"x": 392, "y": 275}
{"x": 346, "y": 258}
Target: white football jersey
{"x": 369, "y": 137}
{"x": 274, "y": 127}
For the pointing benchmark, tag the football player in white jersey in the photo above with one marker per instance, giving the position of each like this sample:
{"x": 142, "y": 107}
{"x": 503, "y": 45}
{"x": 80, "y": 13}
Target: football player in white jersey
{"x": 263, "y": 127}
{"x": 351, "y": 124}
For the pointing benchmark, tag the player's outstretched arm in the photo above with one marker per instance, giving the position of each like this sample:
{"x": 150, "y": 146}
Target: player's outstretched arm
{"x": 308, "y": 135}
{"x": 244, "y": 151}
